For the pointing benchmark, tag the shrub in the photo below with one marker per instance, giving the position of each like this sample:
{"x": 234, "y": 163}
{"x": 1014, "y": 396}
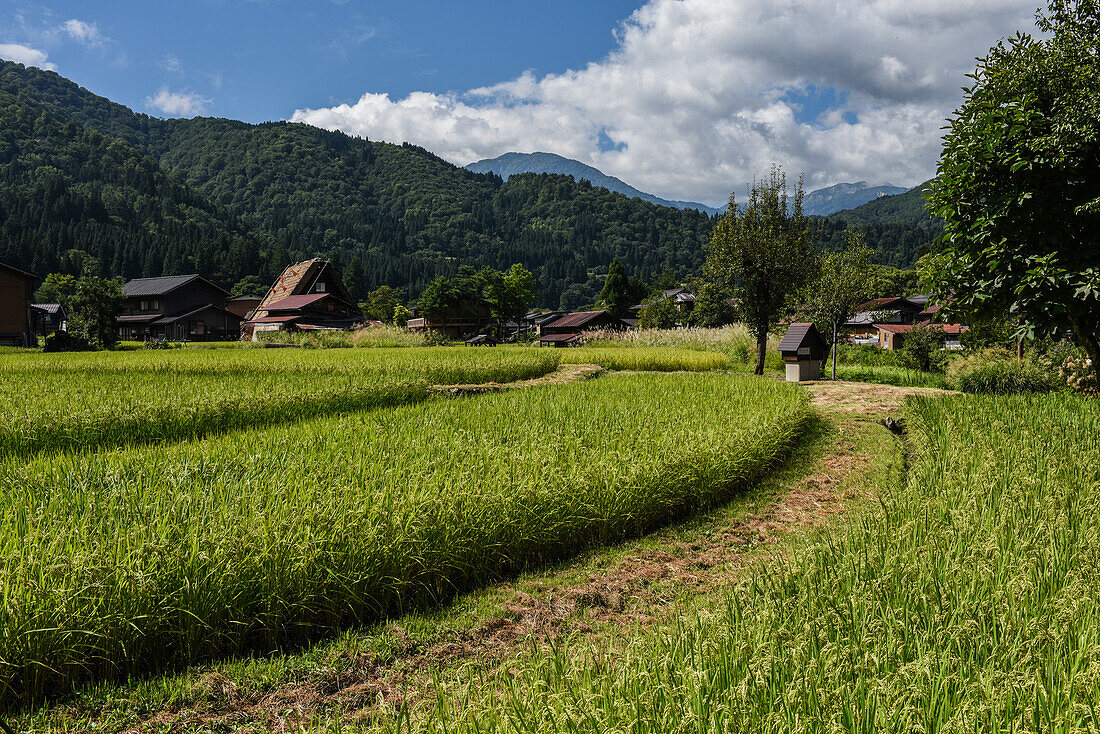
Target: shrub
{"x": 923, "y": 349}
{"x": 996, "y": 371}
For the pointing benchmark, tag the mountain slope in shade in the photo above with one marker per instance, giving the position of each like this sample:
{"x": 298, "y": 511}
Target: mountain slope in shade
{"x": 846, "y": 196}
{"x": 511, "y": 164}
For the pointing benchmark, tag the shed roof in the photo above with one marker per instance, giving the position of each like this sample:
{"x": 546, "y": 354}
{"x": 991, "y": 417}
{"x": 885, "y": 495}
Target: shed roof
{"x": 50, "y": 308}
{"x": 162, "y": 285}
{"x": 559, "y": 337}
{"x": 799, "y": 334}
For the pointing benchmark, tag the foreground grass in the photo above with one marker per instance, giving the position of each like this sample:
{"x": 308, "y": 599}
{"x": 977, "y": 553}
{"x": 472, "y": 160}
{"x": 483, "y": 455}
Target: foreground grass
{"x": 134, "y": 560}
{"x": 967, "y": 602}
{"x": 58, "y": 402}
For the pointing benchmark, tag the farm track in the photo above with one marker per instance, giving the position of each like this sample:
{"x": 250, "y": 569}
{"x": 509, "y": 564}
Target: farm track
{"x": 564, "y": 375}
{"x": 606, "y": 594}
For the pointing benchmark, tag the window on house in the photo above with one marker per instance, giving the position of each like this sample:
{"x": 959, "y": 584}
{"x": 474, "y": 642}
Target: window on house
{"x": 155, "y": 304}
{"x": 144, "y": 305}
{"x": 320, "y": 287}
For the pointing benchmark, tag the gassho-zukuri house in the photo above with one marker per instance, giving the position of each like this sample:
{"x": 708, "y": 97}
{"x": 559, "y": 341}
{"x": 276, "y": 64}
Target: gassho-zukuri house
{"x": 307, "y": 296}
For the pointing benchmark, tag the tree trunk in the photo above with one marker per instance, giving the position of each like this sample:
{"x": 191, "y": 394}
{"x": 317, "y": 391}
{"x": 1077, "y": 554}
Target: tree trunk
{"x": 761, "y": 350}
{"x": 833, "y": 355}
{"x": 1089, "y": 340}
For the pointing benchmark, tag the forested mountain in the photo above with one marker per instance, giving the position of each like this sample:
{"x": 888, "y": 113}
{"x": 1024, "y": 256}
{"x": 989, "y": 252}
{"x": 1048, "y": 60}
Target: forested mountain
{"x": 229, "y": 199}
{"x": 898, "y": 227}
{"x": 510, "y": 164}
{"x": 65, "y": 187}
{"x": 846, "y": 196}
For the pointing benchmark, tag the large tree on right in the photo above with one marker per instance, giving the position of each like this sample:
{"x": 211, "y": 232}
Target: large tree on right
{"x": 1018, "y": 183}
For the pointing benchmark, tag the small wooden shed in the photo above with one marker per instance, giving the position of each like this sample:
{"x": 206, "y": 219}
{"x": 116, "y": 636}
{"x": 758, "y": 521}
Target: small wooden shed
{"x": 803, "y": 349}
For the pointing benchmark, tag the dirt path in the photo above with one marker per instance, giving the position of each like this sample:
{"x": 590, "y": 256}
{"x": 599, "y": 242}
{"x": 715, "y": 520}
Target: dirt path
{"x": 639, "y": 583}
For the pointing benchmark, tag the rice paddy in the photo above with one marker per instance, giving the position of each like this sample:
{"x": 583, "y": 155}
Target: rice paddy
{"x": 62, "y": 402}
{"x": 967, "y": 601}
{"x": 148, "y": 557}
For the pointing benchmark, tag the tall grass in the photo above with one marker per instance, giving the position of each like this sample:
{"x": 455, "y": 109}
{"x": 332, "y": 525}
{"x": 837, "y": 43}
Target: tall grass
{"x": 886, "y": 375}
{"x": 114, "y": 562}
{"x": 734, "y": 341}
{"x": 60, "y": 402}
{"x": 969, "y": 601}
{"x": 650, "y": 359}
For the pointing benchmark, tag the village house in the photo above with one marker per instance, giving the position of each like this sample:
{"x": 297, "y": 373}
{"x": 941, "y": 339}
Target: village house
{"x": 862, "y": 325}
{"x": 892, "y": 336}
{"x": 176, "y": 308}
{"x": 307, "y": 296}
{"x": 49, "y": 318}
{"x": 243, "y": 306}
{"x": 16, "y": 314}
{"x": 456, "y": 322}
{"x": 567, "y": 330}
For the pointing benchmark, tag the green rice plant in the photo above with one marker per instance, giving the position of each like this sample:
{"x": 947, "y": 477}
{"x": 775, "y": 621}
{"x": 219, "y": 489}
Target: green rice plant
{"x": 371, "y": 336}
{"x": 968, "y": 600}
{"x": 140, "y": 559}
{"x": 997, "y": 371}
{"x": 734, "y": 340}
{"x": 887, "y": 375}
{"x": 59, "y": 402}
{"x": 651, "y": 359}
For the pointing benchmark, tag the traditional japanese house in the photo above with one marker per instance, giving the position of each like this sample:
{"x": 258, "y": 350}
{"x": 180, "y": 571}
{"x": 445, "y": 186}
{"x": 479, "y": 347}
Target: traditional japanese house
{"x": 567, "y": 330}
{"x": 243, "y": 306}
{"x": 307, "y": 296}
{"x": 880, "y": 311}
{"x": 177, "y": 308}
{"x": 48, "y": 318}
{"x": 16, "y": 314}
{"x": 457, "y": 322}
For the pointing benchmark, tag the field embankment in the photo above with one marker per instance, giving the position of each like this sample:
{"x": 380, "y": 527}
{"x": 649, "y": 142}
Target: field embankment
{"x": 966, "y": 602}
{"x": 141, "y": 559}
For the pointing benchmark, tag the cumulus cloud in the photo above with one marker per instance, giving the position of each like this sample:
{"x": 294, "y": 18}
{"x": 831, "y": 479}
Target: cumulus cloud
{"x": 178, "y": 104}
{"x": 696, "y": 96}
{"x": 25, "y": 55}
{"x": 86, "y": 34}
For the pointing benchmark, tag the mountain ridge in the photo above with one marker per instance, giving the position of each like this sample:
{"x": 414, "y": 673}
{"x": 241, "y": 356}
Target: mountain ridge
{"x": 507, "y": 165}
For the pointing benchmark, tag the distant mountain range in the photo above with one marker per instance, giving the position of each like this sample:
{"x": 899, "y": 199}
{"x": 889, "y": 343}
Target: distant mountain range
{"x": 846, "y": 196}
{"x": 510, "y": 164}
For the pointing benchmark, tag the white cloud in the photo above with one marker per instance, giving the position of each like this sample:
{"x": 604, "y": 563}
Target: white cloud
{"x": 171, "y": 63}
{"x": 25, "y": 55}
{"x": 178, "y": 104}
{"x": 86, "y": 34}
{"x": 696, "y": 89}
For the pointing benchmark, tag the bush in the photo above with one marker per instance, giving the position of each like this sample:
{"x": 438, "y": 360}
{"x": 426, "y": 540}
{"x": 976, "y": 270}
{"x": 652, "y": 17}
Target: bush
{"x": 867, "y": 355}
{"x": 63, "y": 341}
{"x": 997, "y": 371}
{"x": 923, "y": 349}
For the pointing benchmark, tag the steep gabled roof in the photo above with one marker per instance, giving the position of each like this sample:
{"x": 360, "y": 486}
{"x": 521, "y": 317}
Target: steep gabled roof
{"x": 163, "y": 285}
{"x": 299, "y": 279}
{"x": 575, "y": 320}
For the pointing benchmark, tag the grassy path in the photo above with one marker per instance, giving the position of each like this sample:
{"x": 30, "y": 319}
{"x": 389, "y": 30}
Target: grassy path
{"x": 369, "y": 677}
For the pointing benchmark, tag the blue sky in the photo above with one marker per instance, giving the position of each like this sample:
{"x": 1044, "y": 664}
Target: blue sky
{"x": 686, "y": 99}
{"x": 263, "y": 59}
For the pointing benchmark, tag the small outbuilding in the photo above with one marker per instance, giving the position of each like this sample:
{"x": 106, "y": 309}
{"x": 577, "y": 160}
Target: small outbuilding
{"x": 803, "y": 350}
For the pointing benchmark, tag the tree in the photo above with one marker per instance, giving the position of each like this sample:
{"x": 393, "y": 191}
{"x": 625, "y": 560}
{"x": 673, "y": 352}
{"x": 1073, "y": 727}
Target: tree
{"x": 923, "y": 349}
{"x": 659, "y": 313}
{"x": 381, "y": 304}
{"x": 713, "y": 304}
{"x": 95, "y": 304}
{"x": 511, "y": 293}
{"x": 762, "y": 253}
{"x": 1019, "y": 183}
{"x": 617, "y": 295}
{"x": 841, "y": 285}
{"x": 251, "y": 285}
{"x": 57, "y": 288}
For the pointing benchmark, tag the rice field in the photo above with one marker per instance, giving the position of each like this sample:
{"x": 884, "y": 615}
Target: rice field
{"x": 969, "y": 600}
{"x": 146, "y": 558}
{"x": 56, "y": 402}
{"x": 656, "y": 359}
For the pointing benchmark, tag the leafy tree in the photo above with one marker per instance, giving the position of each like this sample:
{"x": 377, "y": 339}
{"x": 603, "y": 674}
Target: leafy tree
{"x": 841, "y": 285}
{"x": 617, "y": 295}
{"x": 511, "y": 293}
{"x": 96, "y": 303}
{"x": 713, "y": 304}
{"x": 659, "y": 313}
{"x": 1019, "y": 182}
{"x": 57, "y": 288}
{"x": 251, "y": 285}
{"x": 887, "y": 282}
{"x": 401, "y": 315}
{"x": 381, "y": 304}
{"x": 923, "y": 349}
{"x": 762, "y": 252}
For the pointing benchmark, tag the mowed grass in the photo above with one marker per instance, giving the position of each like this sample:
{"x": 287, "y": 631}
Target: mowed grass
{"x": 968, "y": 601}
{"x": 58, "y": 402}
{"x": 141, "y": 559}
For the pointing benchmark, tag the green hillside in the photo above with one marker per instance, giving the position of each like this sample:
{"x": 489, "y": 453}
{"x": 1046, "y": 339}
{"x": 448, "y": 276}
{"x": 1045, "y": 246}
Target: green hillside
{"x": 908, "y": 208}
